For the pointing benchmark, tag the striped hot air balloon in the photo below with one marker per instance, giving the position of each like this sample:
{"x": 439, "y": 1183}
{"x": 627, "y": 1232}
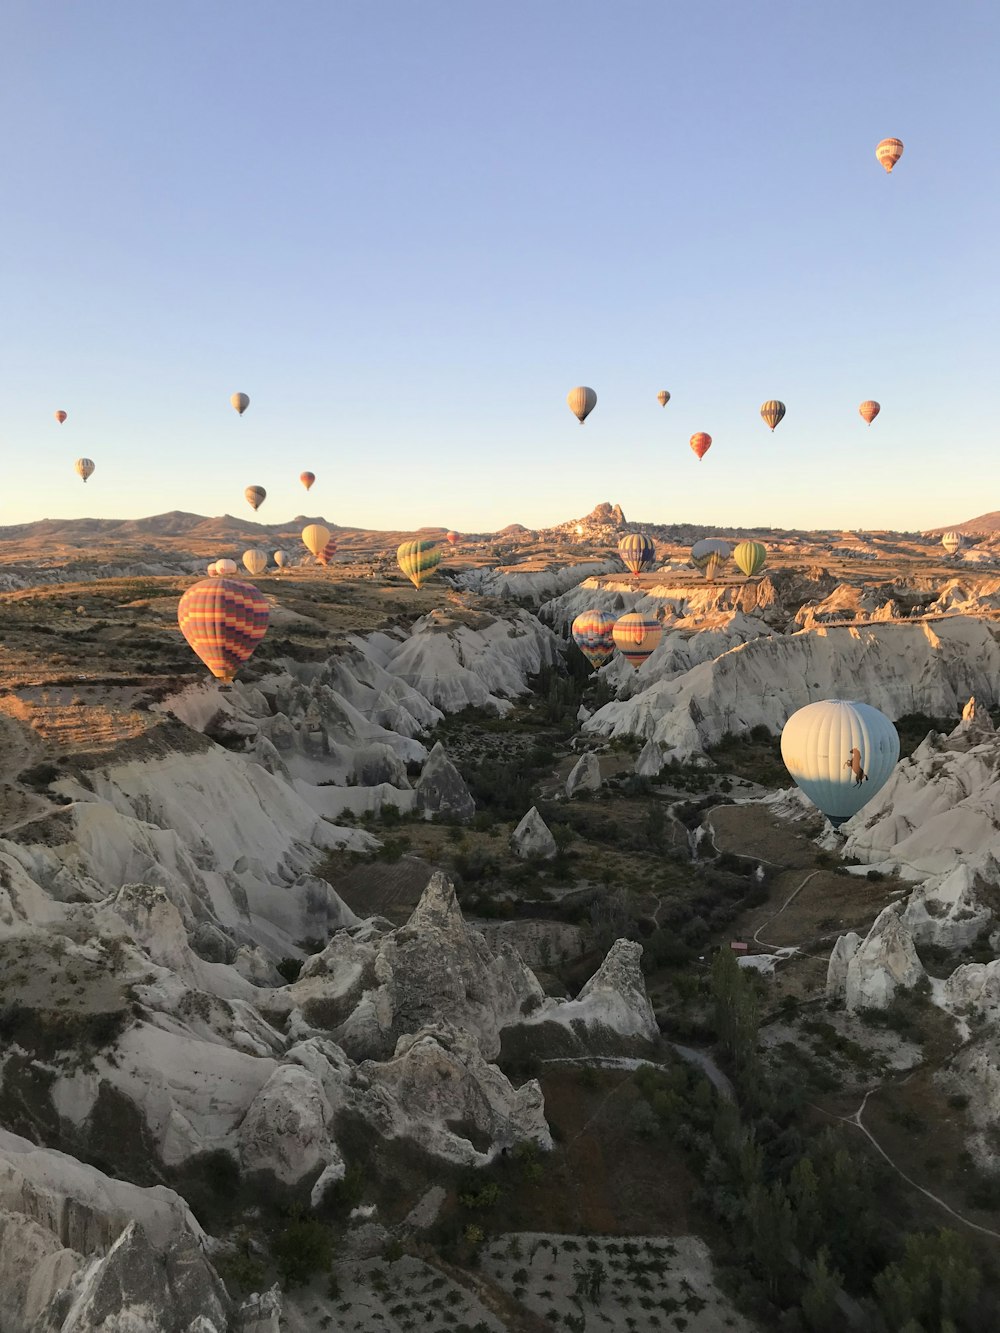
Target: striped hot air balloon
{"x": 255, "y": 561}
{"x": 750, "y": 557}
{"x": 418, "y": 559}
{"x": 701, "y": 443}
{"x": 636, "y": 637}
{"x": 85, "y": 467}
{"x": 840, "y": 753}
{"x": 241, "y": 402}
{"x": 255, "y": 496}
{"x": 636, "y": 552}
{"x": 225, "y": 568}
{"x": 307, "y": 479}
{"x": 593, "y": 634}
{"x": 663, "y": 397}
{"x": 888, "y": 152}
{"x": 869, "y": 409}
{"x": 582, "y": 402}
{"x": 223, "y": 621}
{"x": 709, "y": 555}
{"x": 952, "y": 542}
{"x": 315, "y": 536}
{"x": 328, "y": 552}
{"x": 60, "y": 416}
{"x": 772, "y": 411}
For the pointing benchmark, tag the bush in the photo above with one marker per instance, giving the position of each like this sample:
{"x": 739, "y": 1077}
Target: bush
{"x": 304, "y": 1248}
{"x": 289, "y": 968}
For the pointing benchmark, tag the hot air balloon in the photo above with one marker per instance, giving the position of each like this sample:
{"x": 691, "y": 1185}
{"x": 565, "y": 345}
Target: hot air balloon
{"x": 869, "y": 409}
{"x": 60, "y": 416}
{"x": 840, "y": 753}
{"x": 240, "y": 401}
{"x": 592, "y": 634}
{"x": 582, "y": 402}
{"x": 663, "y": 397}
{"x": 636, "y": 637}
{"x": 84, "y": 467}
{"x": 888, "y": 152}
{"x": 328, "y": 552}
{"x": 225, "y": 568}
{"x": 223, "y": 621}
{"x": 418, "y": 559}
{"x": 701, "y": 443}
{"x": 750, "y": 557}
{"x": 255, "y": 496}
{"x": 952, "y": 542}
{"x": 255, "y": 561}
{"x": 315, "y": 537}
{"x": 307, "y": 479}
{"x": 212, "y": 571}
{"x": 772, "y": 411}
{"x": 452, "y": 538}
{"x": 281, "y": 559}
{"x": 636, "y": 552}
{"x": 709, "y": 555}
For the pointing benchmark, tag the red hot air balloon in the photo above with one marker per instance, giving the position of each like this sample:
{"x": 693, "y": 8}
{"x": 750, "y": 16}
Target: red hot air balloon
{"x": 453, "y": 538}
{"x": 307, "y": 479}
{"x": 701, "y": 443}
{"x": 328, "y": 552}
{"x": 223, "y": 621}
{"x": 869, "y": 409}
{"x": 60, "y": 416}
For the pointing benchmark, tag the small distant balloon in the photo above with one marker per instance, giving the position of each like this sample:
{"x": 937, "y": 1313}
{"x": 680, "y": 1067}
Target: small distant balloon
{"x": 952, "y": 542}
{"x": 223, "y": 621}
{"x": 255, "y": 561}
{"x": 307, "y": 479}
{"x": 592, "y": 634}
{"x": 85, "y": 467}
{"x": 709, "y": 555}
{"x": 636, "y": 552}
{"x": 418, "y": 560}
{"x": 315, "y": 536}
{"x": 225, "y": 567}
{"x": 840, "y": 753}
{"x": 212, "y": 571}
{"x": 281, "y": 559}
{"x": 663, "y": 397}
{"x": 582, "y": 402}
{"x": 453, "y": 538}
{"x": 772, "y": 411}
{"x": 328, "y": 552}
{"x": 241, "y": 402}
{"x": 750, "y": 557}
{"x": 869, "y": 409}
{"x": 255, "y": 496}
{"x": 60, "y": 416}
{"x": 701, "y": 443}
{"x": 888, "y": 152}
{"x": 636, "y": 637}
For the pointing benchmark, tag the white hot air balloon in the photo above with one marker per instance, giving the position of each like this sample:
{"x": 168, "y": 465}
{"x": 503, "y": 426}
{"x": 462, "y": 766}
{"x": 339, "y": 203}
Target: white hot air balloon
{"x": 225, "y": 568}
{"x": 255, "y": 561}
{"x": 840, "y": 753}
{"x": 281, "y": 559}
{"x": 212, "y": 571}
{"x": 952, "y": 542}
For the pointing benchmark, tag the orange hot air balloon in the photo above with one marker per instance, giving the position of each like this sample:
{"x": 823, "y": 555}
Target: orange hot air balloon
{"x": 869, "y": 409}
{"x": 60, "y": 416}
{"x": 582, "y": 402}
{"x": 452, "y": 538}
{"x": 223, "y": 621}
{"x": 307, "y": 479}
{"x": 888, "y": 152}
{"x": 636, "y": 637}
{"x": 701, "y": 443}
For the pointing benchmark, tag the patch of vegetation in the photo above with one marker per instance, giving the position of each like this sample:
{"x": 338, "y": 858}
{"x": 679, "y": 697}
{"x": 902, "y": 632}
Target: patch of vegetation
{"x": 301, "y": 1249}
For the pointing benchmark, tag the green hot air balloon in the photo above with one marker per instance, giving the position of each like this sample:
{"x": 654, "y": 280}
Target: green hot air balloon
{"x": 418, "y": 559}
{"x": 750, "y": 557}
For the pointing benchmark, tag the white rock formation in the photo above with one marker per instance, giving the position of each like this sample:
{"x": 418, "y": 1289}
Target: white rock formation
{"x": 650, "y": 761}
{"x": 836, "y": 972}
{"x": 613, "y": 1001}
{"x": 441, "y": 789}
{"x": 884, "y": 962}
{"x": 585, "y": 775}
{"x": 532, "y": 838}
{"x": 946, "y": 911}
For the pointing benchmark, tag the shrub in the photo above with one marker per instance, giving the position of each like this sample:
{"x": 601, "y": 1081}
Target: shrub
{"x": 303, "y": 1248}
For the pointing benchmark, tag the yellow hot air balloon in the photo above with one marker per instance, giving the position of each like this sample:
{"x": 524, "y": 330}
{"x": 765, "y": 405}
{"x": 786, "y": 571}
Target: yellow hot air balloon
{"x": 84, "y": 467}
{"x": 60, "y": 416}
{"x": 418, "y": 559}
{"x": 582, "y": 402}
{"x": 772, "y": 411}
{"x": 663, "y": 397}
{"x": 315, "y": 536}
{"x": 888, "y": 152}
{"x": 869, "y": 409}
{"x": 750, "y": 557}
{"x": 255, "y": 561}
{"x": 255, "y": 496}
{"x": 241, "y": 402}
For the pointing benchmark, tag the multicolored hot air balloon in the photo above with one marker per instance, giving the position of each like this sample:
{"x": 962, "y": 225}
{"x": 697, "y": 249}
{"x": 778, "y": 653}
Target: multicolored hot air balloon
{"x": 709, "y": 555}
{"x": 315, "y": 536}
{"x": 281, "y": 559}
{"x": 700, "y": 443}
{"x": 840, "y": 753}
{"x": 223, "y": 621}
{"x": 452, "y": 538}
{"x": 952, "y": 542}
{"x": 772, "y": 411}
{"x": 418, "y": 559}
{"x": 240, "y": 401}
{"x": 869, "y": 409}
{"x": 636, "y": 637}
{"x": 663, "y": 397}
{"x": 582, "y": 402}
{"x": 225, "y": 568}
{"x": 328, "y": 552}
{"x": 60, "y": 416}
{"x": 750, "y": 557}
{"x": 888, "y": 152}
{"x": 592, "y": 634}
{"x": 307, "y": 479}
{"x": 636, "y": 552}
{"x": 255, "y": 496}
{"x": 255, "y": 561}
{"x": 85, "y": 467}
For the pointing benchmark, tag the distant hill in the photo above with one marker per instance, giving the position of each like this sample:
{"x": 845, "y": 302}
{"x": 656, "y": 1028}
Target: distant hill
{"x": 175, "y": 524}
{"x": 983, "y": 526}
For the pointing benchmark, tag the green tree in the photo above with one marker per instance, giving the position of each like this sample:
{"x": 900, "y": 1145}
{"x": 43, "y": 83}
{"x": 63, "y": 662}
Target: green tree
{"x": 936, "y": 1283}
{"x": 819, "y": 1299}
{"x": 737, "y": 1015}
{"x": 803, "y": 1190}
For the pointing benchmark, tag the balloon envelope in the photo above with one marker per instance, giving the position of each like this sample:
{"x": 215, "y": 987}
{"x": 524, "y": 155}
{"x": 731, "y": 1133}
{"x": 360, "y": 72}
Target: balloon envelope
{"x": 582, "y": 402}
{"x": 255, "y": 561}
{"x": 307, "y": 479}
{"x": 452, "y": 538}
{"x": 84, "y": 467}
{"x": 869, "y": 409}
{"x": 316, "y": 536}
{"x": 593, "y": 635}
{"x": 255, "y": 496}
{"x": 709, "y": 555}
{"x": 663, "y": 397}
{"x": 418, "y": 559}
{"x": 223, "y": 621}
{"x": 60, "y": 416}
{"x": 328, "y": 552}
{"x": 772, "y": 411}
{"x": 952, "y": 542}
{"x": 281, "y": 559}
{"x": 636, "y": 551}
{"x": 750, "y": 557}
{"x": 636, "y": 637}
{"x": 888, "y": 152}
{"x": 225, "y": 567}
{"x": 240, "y": 401}
{"x": 701, "y": 443}
{"x": 840, "y": 753}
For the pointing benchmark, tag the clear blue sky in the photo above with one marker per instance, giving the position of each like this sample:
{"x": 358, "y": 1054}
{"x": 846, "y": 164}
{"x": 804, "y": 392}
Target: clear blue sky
{"x": 407, "y": 229}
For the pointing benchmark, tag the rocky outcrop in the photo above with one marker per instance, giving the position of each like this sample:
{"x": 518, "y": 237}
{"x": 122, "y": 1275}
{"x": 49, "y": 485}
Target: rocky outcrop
{"x": 884, "y": 962}
{"x": 441, "y": 789}
{"x": 975, "y": 987}
{"x": 836, "y": 972}
{"x": 585, "y": 775}
{"x": 287, "y": 1130}
{"x": 532, "y": 838}
{"x": 650, "y": 761}
{"x": 946, "y": 912}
